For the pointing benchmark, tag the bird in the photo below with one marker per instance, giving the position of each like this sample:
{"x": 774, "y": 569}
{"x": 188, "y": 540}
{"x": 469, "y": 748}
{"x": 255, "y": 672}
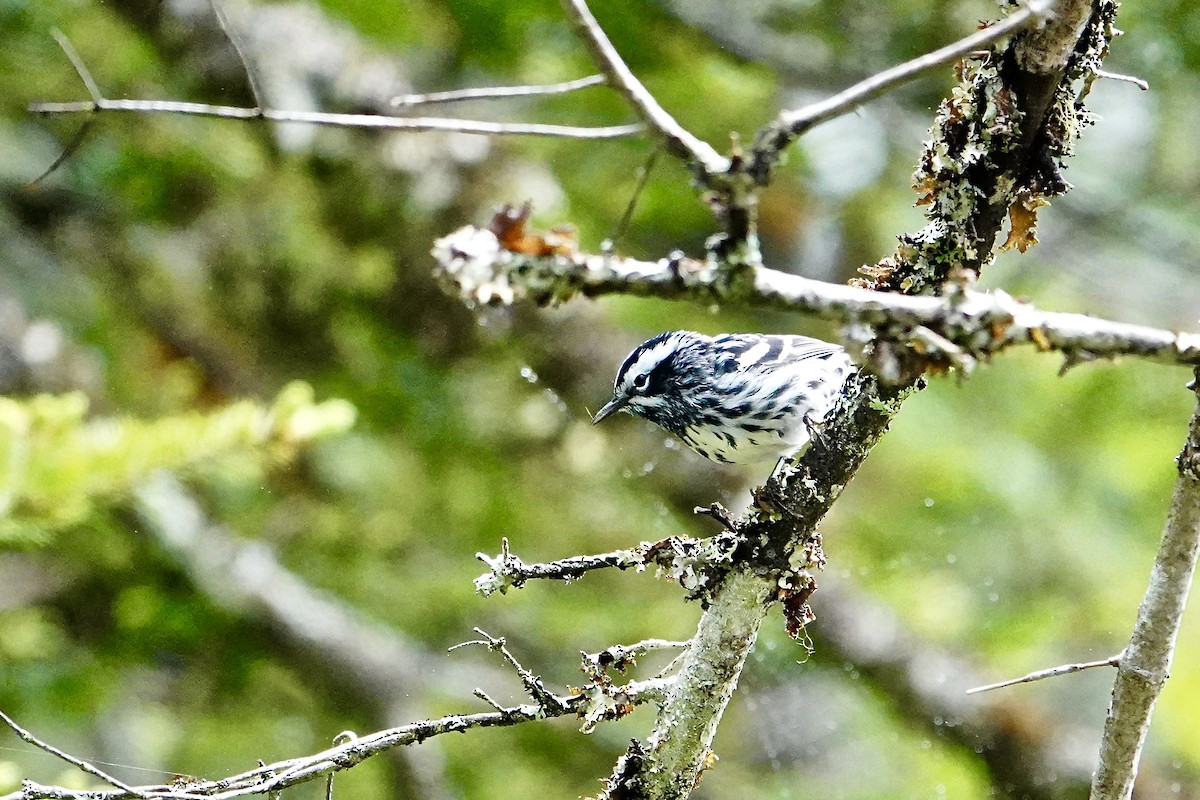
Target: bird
{"x": 734, "y": 398}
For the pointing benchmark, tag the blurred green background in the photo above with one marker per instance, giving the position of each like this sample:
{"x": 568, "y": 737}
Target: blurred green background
{"x": 174, "y": 267}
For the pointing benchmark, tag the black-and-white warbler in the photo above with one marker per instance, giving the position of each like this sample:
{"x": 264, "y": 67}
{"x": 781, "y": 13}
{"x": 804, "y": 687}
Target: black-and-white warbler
{"x": 734, "y": 398}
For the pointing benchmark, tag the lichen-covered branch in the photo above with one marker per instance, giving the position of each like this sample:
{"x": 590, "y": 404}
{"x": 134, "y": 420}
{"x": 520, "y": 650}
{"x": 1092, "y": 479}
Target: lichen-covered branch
{"x": 476, "y": 266}
{"x": 1146, "y": 662}
{"x": 687, "y": 561}
{"x": 613, "y": 701}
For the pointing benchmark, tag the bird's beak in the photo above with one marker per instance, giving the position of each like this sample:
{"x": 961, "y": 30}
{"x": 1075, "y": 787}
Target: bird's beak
{"x": 613, "y": 406}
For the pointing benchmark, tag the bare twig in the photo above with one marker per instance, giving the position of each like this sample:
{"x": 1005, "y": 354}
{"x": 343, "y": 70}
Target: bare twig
{"x": 593, "y": 704}
{"x": 1116, "y": 76}
{"x": 534, "y": 685}
{"x": 680, "y": 142}
{"x": 776, "y": 136}
{"x": 497, "y": 92}
{"x": 235, "y": 39}
{"x": 979, "y": 323}
{"x": 719, "y": 513}
{"x": 643, "y": 179}
{"x": 72, "y": 147}
{"x": 1052, "y": 672}
{"x": 485, "y": 697}
{"x": 1146, "y": 662}
{"x": 80, "y": 68}
{"x": 70, "y": 759}
{"x": 374, "y": 121}
{"x": 508, "y": 570}
{"x": 933, "y": 342}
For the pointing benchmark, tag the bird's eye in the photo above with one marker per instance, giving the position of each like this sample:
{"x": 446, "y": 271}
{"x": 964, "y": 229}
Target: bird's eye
{"x": 641, "y": 381}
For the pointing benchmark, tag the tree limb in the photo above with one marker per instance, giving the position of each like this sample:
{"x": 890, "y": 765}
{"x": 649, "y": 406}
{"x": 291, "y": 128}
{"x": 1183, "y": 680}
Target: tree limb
{"x": 1146, "y": 662}
{"x": 980, "y": 323}
{"x": 274, "y": 777}
{"x": 958, "y": 237}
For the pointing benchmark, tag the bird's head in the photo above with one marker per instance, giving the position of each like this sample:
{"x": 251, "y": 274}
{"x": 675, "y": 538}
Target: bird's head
{"x": 654, "y": 378}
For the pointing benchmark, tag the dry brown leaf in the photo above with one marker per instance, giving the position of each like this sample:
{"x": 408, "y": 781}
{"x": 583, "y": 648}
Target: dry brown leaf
{"x": 508, "y": 223}
{"x": 1022, "y": 220}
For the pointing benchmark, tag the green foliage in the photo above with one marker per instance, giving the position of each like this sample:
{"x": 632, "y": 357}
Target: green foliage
{"x": 59, "y": 465}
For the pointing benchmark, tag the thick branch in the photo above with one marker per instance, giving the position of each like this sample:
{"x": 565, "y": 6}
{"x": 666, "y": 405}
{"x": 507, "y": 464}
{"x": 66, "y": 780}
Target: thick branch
{"x": 980, "y": 323}
{"x": 706, "y": 680}
{"x": 1146, "y": 662}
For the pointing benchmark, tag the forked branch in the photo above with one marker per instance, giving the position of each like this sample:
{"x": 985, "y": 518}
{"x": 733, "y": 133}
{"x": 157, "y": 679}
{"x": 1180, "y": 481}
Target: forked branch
{"x": 593, "y": 704}
{"x": 678, "y": 139}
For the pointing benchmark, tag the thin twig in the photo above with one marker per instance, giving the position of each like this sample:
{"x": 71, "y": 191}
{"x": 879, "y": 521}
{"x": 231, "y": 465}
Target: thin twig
{"x": 643, "y": 179}
{"x": 482, "y": 695}
{"x": 508, "y": 570}
{"x": 235, "y": 39}
{"x": 534, "y": 685}
{"x": 374, "y": 121}
{"x": 497, "y": 92}
{"x": 679, "y": 140}
{"x": 1052, "y": 672}
{"x": 72, "y": 147}
{"x": 789, "y": 125}
{"x": 934, "y": 342}
{"x": 81, "y": 69}
{"x": 1116, "y": 76}
{"x": 621, "y": 657}
{"x": 70, "y": 759}
{"x": 348, "y": 750}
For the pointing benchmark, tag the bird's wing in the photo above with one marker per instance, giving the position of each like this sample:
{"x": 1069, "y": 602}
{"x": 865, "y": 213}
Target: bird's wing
{"x": 769, "y": 351}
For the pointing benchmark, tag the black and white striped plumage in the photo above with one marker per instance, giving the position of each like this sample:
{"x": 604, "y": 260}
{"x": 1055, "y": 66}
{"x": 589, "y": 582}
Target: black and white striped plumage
{"x": 734, "y": 398}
